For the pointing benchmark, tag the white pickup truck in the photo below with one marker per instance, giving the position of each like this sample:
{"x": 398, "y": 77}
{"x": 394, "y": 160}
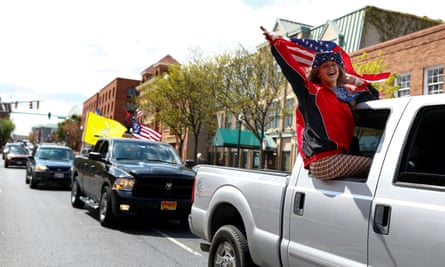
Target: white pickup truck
{"x": 394, "y": 217}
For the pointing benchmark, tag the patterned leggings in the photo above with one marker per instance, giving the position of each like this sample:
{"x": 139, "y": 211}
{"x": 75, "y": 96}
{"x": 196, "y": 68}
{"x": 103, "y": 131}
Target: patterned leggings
{"x": 341, "y": 165}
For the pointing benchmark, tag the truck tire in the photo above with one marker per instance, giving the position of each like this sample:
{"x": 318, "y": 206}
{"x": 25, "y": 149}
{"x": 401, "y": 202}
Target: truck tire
{"x": 106, "y": 216}
{"x": 229, "y": 248}
{"x": 32, "y": 183}
{"x": 26, "y": 177}
{"x": 76, "y": 193}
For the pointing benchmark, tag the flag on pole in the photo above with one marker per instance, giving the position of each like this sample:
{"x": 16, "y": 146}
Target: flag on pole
{"x": 139, "y": 115}
{"x": 97, "y": 126}
{"x": 141, "y": 131}
{"x": 304, "y": 51}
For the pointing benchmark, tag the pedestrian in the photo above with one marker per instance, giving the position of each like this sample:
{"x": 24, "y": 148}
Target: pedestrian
{"x": 325, "y": 112}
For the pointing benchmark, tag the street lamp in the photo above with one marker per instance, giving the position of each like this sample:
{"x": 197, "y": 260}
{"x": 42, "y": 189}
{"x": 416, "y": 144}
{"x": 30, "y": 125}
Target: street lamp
{"x": 239, "y": 119}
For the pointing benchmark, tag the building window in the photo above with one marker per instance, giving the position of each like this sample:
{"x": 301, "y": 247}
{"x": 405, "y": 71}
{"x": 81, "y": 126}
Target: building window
{"x": 273, "y": 116}
{"x": 404, "y": 82}
{"x": 434, "y": 80}
{"x": 289, "y": 116}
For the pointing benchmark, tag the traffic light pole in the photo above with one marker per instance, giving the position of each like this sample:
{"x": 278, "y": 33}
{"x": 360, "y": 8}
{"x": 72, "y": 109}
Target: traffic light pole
{"x": 61, "y": 117}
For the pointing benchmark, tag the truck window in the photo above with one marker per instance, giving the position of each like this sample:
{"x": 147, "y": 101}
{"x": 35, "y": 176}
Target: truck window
{"x": 423, "y": 160}
{"x": 368, "y": 131}
{"x": 101, "y": 147}
{"x": 369, "y": 128}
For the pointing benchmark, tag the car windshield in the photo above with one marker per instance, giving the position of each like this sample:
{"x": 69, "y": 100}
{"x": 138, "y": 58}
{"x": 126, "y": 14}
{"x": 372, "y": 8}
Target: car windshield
{"x": 145, "y": 152}
{"x": 54, "y": 154}
{"x": 18, "y": 150}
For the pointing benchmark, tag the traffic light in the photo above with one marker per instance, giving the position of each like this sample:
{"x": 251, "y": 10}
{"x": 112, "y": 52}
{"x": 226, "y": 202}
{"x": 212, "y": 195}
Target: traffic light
{"x": 30, "y": 104}
{"x": 49, "y": 115}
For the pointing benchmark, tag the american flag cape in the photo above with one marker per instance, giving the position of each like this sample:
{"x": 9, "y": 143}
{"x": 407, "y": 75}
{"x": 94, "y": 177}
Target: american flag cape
{"x": 304, "y": 51}
{"x": 141, "y": 131}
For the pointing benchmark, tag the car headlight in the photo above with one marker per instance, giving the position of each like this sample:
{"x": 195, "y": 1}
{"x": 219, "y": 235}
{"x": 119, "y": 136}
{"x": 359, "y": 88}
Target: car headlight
{"x": 125, "y": 184}
{"x": 41, "y": 168}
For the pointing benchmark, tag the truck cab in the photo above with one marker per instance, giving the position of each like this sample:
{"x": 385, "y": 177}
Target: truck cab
{"x": 385, "y": 219}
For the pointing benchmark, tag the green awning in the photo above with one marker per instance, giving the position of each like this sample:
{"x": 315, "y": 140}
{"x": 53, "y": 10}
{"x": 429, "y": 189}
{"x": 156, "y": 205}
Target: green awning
{"x": 225, "y": 137}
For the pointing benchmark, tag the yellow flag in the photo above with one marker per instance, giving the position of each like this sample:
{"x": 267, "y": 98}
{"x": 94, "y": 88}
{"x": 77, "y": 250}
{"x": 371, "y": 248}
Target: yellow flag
{"x": 97, "y": 126}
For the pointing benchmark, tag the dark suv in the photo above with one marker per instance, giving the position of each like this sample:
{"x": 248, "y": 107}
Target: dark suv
{"x": 49, "y": 164}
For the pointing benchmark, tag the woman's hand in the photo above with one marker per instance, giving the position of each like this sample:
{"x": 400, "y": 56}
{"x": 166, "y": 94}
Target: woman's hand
{"x": 270, "y": 36}
{"x": 354, "y": 80}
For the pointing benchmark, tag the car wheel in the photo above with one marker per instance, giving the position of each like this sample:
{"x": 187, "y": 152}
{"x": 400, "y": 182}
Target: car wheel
{"x": 76, "y": 202}
{"x": 6, "y": 164}
{"x": 26, "y": 176}
{"x": 32, "y": 183}
{"x": 106, "y": 216}
{"x": 229, "y": 248}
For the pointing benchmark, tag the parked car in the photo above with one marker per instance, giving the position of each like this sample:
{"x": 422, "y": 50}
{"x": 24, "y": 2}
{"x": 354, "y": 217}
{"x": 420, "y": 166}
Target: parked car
{"x": 15, "y": 154}
{"x": 49, "y": 164}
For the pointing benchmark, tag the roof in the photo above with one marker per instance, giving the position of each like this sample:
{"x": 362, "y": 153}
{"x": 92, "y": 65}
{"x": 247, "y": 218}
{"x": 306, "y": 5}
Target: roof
{"x": 52, "y": 145}
{"x": 167, "y": 60}
{"x": 364, "y": 27}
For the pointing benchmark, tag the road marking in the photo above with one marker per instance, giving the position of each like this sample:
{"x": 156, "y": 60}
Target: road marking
{"x": 176, "y": 242}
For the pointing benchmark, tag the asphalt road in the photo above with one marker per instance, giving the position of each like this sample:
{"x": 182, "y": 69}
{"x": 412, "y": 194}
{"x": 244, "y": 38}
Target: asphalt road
{"x": 38, "y": 227}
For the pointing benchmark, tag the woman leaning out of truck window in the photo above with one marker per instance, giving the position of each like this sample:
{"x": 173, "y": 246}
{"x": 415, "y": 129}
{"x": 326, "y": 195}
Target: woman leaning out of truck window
{"x": 325, "y": 117}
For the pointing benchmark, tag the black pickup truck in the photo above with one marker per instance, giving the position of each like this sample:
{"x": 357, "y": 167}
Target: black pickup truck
{"x": 128, "y": 177}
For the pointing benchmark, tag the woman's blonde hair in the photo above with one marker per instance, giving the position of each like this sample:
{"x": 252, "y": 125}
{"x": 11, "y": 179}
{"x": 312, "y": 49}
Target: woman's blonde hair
{"x": 314, "y": 78}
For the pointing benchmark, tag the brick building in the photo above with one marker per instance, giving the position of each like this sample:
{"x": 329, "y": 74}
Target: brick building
{"x": 112, "y": 100}
{"x": 418, "y": 59}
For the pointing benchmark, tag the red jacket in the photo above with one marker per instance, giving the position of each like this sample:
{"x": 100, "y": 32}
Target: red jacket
{"x": 325, "y": 124}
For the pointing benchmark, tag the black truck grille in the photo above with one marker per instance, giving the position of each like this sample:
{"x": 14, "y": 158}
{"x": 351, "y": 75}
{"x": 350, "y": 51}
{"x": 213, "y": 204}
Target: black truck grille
{"x": 163, "y": 187}
{"x": 58, "y": 169}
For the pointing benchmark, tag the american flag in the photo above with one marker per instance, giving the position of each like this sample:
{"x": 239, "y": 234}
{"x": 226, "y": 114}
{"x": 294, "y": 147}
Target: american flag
{"x": 141, "y": 131}
{"x": 304, "y": 51}
{"x": 139, "y": 115}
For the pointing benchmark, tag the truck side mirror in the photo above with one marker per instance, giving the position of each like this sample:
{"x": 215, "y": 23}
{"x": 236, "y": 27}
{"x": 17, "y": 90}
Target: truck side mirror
{"x": 95, "y": 156}
{"x": 189, "y": 163}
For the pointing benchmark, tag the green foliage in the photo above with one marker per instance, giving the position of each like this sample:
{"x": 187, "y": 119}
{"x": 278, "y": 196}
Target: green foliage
{"x": 250, "y": 85}
{"x": 387, "y": 88}
{"x": 183, "y": 99}
{"x": 69, "y": 131}
{"x": 6, "y": 129}
{"x": 188, "y": 97}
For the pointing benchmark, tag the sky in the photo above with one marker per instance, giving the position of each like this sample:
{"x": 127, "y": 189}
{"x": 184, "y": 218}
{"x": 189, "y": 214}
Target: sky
{"x": 62, "y": 52}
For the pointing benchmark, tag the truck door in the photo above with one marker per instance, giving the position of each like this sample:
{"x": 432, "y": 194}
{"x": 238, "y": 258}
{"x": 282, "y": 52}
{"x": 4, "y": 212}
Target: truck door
{"x": 327, "y": 221}
{"x": 97, "y": 171}
{"x": 408, "y": 213}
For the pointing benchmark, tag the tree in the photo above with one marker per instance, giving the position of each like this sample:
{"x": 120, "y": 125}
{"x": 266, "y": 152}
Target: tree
{"x": 6, "y": 128}
{"x": 183, "y": 99}
{"x": 251, "y": 84}
{"x": 378, "y": 65}
{"x": 69, "y": 131}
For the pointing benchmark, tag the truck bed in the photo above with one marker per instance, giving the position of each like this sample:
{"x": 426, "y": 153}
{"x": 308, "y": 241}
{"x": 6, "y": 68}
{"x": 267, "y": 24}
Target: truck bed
{"x": 226, "y": 189}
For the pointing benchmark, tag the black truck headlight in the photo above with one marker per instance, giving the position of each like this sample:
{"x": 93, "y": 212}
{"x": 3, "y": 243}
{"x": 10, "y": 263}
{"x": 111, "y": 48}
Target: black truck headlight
{"x": 125, "y": 184}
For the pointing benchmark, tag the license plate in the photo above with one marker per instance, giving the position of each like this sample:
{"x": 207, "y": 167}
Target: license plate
{"x": 58, "y": 175}
{"x": 168, "y": 205}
